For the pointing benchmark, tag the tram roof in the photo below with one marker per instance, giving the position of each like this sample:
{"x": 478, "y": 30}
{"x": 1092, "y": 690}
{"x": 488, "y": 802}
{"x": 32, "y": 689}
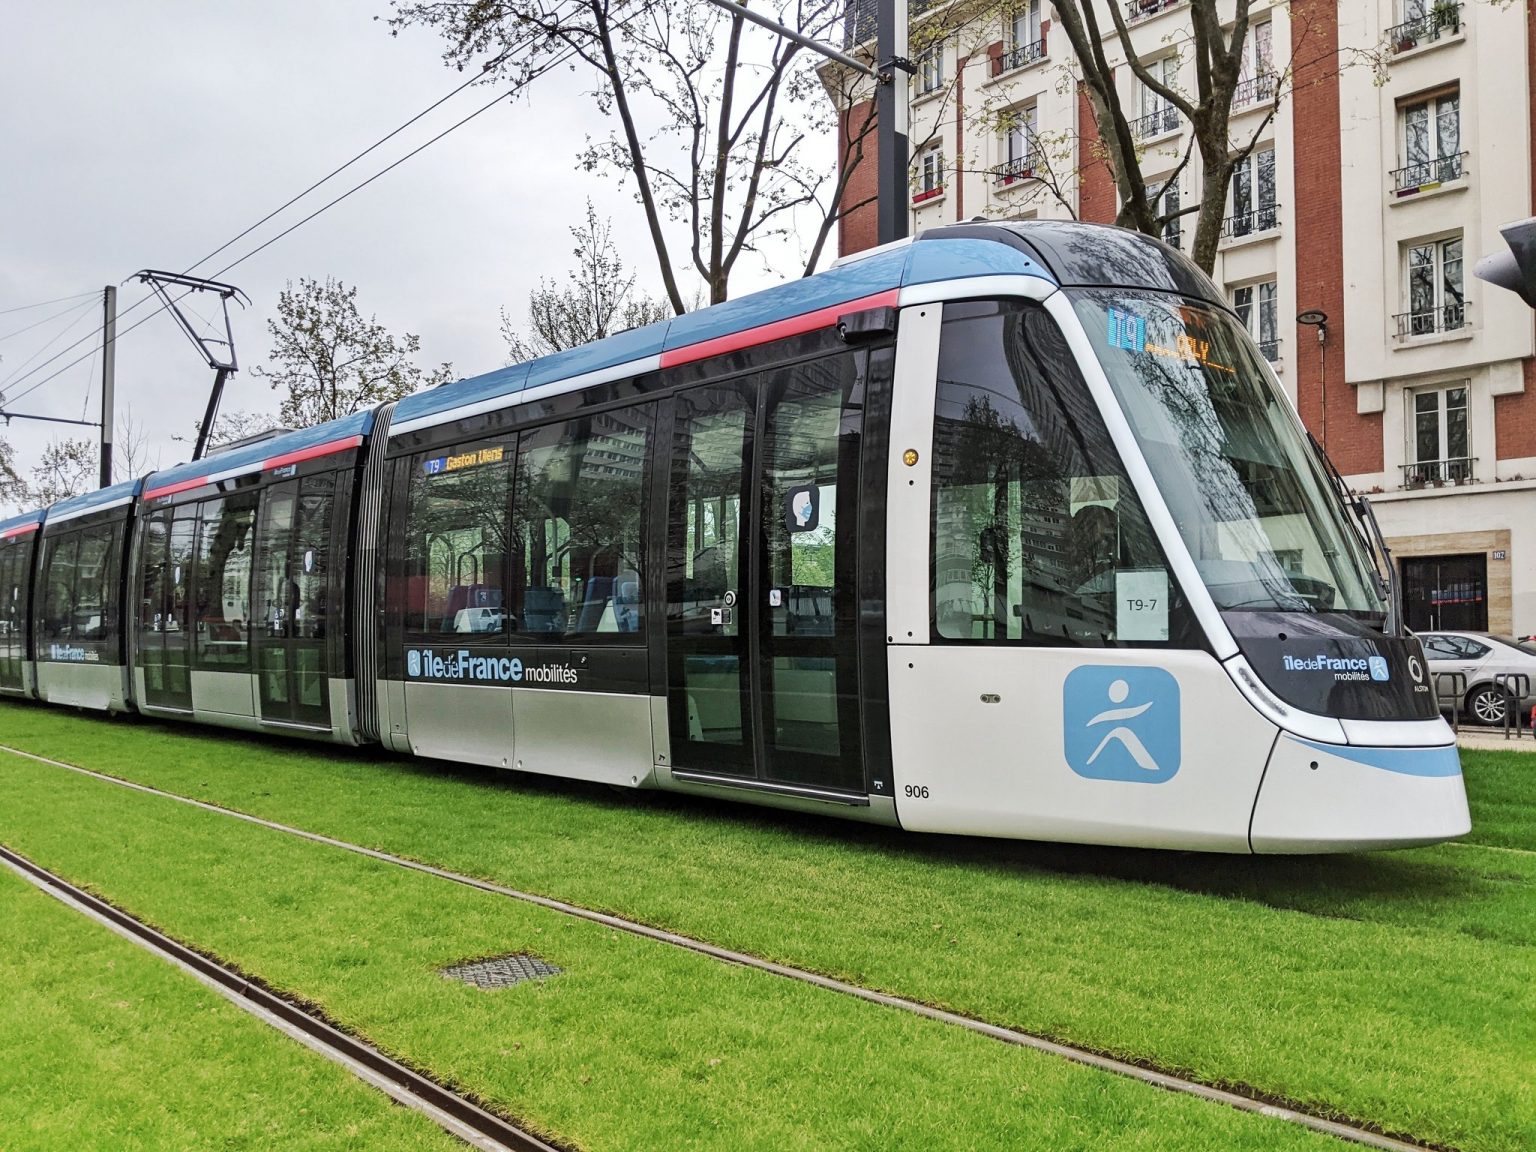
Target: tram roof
{"x": 1067, "y": 253}
{"x": 770, "y": 314}
{"x": 289, "y": 448}
{"x": 100, "y": 500}
{"x": 16, "y": 525}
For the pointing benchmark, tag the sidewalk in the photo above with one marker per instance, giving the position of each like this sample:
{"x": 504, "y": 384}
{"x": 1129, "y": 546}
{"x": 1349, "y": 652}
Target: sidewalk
{"x": 1492, "y": 740}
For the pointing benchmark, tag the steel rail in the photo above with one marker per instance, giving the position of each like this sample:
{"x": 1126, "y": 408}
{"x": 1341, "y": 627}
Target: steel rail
{"x": 1343, "y": 1130}
{"x": 455, "y": 1114}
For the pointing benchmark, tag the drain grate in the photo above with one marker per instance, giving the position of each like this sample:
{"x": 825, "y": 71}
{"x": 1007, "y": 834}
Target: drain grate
{"x": 502, "y": 971}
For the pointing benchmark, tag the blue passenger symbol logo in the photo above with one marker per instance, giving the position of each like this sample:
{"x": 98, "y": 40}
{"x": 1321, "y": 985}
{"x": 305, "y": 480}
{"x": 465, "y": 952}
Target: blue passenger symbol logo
{"x": 1378, "y": 665}
{"x": 1122, "y": 723}
{"x": 413, "y": 663}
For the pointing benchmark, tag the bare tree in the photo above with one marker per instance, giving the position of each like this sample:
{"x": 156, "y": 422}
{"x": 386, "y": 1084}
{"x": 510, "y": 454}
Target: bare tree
{"x": 733, "y": 110}
{"x": 131, "y": 455}
{"x": 598, "y": 299}
{"x": 68, "y": 468}
{"x": 329, "y": 362}
{"x": 231, "y": 426}
{"x": 1218, "y": 59}
{"x": 13, "y": 489}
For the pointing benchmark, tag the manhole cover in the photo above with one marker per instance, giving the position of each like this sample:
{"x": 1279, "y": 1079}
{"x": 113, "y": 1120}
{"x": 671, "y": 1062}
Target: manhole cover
{"x": 502, "y": 971}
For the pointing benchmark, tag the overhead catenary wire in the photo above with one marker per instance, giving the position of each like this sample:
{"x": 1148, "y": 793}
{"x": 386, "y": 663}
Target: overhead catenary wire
{"x": 45, "y": 303}
{"x": 144, "y": 299}
{"x": 54, "y": 316}
{"x": 85, "y": 313}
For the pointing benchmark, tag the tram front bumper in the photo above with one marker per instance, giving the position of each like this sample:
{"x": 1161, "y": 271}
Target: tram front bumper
{"x": 1341, "y": 798}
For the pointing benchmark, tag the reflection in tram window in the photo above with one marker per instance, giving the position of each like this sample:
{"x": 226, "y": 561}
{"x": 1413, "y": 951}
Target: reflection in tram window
{"x": 1037, "y": 533}
{"x": 579, "y": 561}
{"x": 80, "y": 599}
{"x": 1248, "y": 494}
{"x": 457, "y": 538}
{"x": 222, "y": 592}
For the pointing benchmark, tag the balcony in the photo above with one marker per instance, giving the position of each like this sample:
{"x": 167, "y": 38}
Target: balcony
{"x": 1258, "y": 89}
{"x": 1270, "y": 350}
{"x": 1142, "y": 9}
{"x": 1438, "y": 473}
{"x": 1444, "y": 19}
{"x": 1157, "y": 123}
{"x": 1015, "y": 170}
{"x": 928, "y": 194}
{"x": 1019, "y": 57}
{"x": 1259, "y": 219}
{"x": 1429, "y": 321}
{"x": 1428, "y": 174}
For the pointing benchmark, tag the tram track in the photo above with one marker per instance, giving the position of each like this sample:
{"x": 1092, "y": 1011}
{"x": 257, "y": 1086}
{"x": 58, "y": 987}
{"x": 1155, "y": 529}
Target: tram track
{"x": 1241, "y": 1098}
{"x": 452, "y": 1111}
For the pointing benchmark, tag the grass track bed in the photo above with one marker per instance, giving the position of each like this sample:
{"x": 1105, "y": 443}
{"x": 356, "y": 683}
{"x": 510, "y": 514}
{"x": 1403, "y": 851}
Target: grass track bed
{"x": 1393, "y": 988}
{"x": 636, "y": 1045}
{"x": 108, "y": 1047}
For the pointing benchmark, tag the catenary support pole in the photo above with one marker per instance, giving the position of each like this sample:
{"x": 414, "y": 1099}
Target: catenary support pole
{"x": 891, "y": 120}
{"x": 108, "y": 370}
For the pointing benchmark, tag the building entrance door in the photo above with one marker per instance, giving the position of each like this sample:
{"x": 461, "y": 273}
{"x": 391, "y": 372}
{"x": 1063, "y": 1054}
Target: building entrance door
{"x": 1442, "y": 592}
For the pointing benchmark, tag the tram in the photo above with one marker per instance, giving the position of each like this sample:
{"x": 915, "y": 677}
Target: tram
{"x": 1007, "y": 530}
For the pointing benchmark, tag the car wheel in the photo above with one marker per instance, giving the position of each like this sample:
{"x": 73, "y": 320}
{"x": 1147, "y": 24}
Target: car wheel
{"x": 1486, "y": 705}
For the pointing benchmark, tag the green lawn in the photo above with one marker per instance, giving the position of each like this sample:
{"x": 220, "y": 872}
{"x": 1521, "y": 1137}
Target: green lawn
{"x": 1503, "y": 790}
{"x": 635, "y": 1045}
{"x": 107, "y": 1047}
{"x": 1396, "y": 988}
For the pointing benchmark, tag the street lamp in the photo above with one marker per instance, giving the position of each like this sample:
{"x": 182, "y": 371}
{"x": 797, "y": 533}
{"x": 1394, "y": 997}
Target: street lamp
{"x": 1317, "y": 318}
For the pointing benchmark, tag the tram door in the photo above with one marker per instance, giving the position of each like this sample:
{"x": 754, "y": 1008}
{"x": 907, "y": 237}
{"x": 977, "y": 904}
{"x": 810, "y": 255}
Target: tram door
{"x": 165, "y": 619}
{"x": 291, "y": 601}
{"x": 762, "y": 502}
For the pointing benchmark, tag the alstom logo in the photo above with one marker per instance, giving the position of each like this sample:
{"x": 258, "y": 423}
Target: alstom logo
{"x": 428, "y": 664}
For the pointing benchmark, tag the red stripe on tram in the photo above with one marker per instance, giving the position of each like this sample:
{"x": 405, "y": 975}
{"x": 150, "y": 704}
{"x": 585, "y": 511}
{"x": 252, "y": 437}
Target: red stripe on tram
{"x": 778, "y": 330}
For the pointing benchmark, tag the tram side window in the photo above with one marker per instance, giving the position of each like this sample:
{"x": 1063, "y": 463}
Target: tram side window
{"x": 457, "y": 524}
{"x": 579, "y": 563}
{"x": 80, "y": 597}
{"x": 1037, "y": 535}
{"x": 222, "y": 593}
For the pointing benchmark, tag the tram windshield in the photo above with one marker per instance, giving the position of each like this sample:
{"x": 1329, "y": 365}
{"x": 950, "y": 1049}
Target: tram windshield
{"x": 1256, "y": 510}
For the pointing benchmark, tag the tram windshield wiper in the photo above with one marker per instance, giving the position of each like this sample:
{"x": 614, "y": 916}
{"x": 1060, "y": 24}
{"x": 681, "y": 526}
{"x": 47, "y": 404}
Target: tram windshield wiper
{"x": 1375, "y": 542}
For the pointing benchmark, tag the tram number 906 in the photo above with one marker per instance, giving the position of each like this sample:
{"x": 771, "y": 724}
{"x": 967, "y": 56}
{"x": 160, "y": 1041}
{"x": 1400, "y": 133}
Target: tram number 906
{"x": 917, "y": 791}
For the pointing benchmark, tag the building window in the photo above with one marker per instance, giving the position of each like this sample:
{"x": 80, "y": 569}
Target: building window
{"x": 1017, "y": 144}
{"x": 930, "y": 175}
{"x": 1435, "y": 301}
{"x": 1158, "y": 116}
{"x": 1256, "y": 81}
{"x": 1439, "y": 447}
{"x": 1165, "y": 204}
{"x": 1257, "y": 306}
{"x": 930, "y": 68}
{"x": 1253, "y": 195}
{"x": 1026, "y": 43}
{"x": 1431, "y": 139}
{"x": 1424, "y": 22}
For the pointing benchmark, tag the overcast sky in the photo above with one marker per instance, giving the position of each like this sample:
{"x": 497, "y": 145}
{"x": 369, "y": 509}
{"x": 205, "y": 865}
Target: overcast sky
{"x": 147, "y": 134}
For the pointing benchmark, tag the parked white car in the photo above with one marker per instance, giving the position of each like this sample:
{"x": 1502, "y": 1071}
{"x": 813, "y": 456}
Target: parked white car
{"x": 1482, "y": 659}
{"x": 478, "y": 620}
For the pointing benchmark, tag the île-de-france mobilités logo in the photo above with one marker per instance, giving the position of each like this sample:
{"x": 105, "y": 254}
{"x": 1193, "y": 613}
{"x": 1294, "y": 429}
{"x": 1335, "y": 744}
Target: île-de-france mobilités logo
{"x": 1122, "y": 723}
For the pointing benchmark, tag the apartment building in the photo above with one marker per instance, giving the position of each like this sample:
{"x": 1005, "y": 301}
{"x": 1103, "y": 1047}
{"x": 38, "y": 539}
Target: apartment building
{"x": 1404, "y": 137}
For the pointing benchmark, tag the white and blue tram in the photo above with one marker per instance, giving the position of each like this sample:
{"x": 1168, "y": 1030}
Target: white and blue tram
{"x": 1007, "y": 530}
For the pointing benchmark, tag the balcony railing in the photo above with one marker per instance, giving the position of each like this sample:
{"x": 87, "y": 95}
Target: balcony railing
{"x": 928, "y": 194}
{"x": 1441, "y": 20}
{"x": 1260, "y": 219}
{"x": 1019, "y": 168}
{"x": 1428, "y": 174}
{"x": 1141, "y": 9}
{"x": 1270, "y": 349}
{"x": 1018, "y": 57}
{"x": 1446, "y": 318}
{"x": 1155, "y": 123}
{"x": 1255, "y": 90}
{"x": 1455, "y": 470}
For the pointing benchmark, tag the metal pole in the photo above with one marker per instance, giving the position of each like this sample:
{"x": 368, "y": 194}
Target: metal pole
{"x": 891, "y": 121}
{"x": 211, "y": 414}
{"x": 108, "y": 369}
